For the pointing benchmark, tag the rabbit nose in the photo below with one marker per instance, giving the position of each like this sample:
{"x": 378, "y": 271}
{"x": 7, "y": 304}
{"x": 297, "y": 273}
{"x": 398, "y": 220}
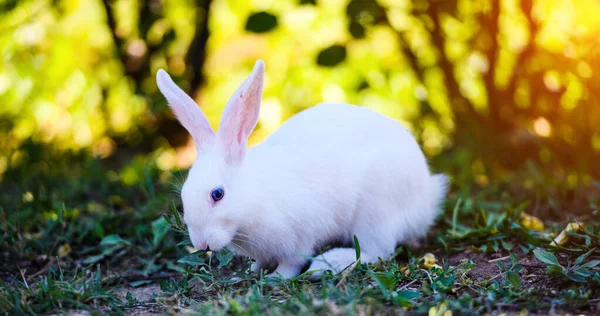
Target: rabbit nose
{"x": 200, "y": 246}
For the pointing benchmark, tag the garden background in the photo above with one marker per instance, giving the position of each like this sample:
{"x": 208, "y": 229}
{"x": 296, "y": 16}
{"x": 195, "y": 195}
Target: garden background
{"x": 503, "y": 96}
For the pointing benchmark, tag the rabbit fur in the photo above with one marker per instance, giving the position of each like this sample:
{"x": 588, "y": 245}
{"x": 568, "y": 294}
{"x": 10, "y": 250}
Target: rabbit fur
{"x": 331, "y": 172}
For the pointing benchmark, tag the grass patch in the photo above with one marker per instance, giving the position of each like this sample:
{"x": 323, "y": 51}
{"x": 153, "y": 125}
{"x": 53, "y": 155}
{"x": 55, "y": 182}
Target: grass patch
{"x": 106, "y": 237}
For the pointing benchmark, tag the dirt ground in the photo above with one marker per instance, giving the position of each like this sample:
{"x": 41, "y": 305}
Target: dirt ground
{"x": 152, "y": 301}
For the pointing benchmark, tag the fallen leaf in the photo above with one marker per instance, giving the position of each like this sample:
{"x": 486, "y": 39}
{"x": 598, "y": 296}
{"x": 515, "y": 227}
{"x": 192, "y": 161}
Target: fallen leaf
{"x": 27, "y": 197}
{"x": 441, "y": 310}
{"x": 531, "y": 222}
{"x": 405, "y": 270}
{"x": 562, "y": 238}
{"x": 429, "y": 261}
{"x": 64, "y": 250}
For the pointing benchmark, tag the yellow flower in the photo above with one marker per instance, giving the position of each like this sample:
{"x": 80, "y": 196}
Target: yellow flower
{"x": 27, "y": 197}
{"x": 64, "y": 250}
{"x": 429, "y": 261}
{"x": 531, "y": 222}
{"x": 562, "y": 238}
{"x": 405, "y": 270}
{"x": 440, "y": 310}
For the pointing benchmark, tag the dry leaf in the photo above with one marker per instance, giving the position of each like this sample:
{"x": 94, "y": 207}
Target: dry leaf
{"x": 429, "y": 261}
{"x": 441, "y": 310}
{"x": 64, "y": 250}
{"x": 562, "y": 238}
{"x": 531, "y": 222}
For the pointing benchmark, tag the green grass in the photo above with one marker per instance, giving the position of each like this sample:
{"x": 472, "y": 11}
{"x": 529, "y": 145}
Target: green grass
{"x": 84, "y": 234}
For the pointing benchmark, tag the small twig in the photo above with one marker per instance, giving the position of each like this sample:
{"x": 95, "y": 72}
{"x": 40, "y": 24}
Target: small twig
{"x": 23, "y": 276}
{"x": 498, "y": 259}
{"x": 142, "y": 304}
{"x": 43, "y": 270}
{"x": 496, "y": 276}
{"x": 346, "y": 272}
{"x": 405, "y": 286}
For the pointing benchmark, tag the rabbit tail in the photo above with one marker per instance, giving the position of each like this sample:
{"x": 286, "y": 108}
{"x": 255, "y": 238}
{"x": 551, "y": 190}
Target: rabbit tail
{"x": 439, "y": 188}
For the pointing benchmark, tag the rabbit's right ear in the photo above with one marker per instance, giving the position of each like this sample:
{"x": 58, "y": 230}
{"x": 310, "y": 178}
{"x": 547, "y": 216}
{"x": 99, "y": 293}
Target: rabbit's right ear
{"x": 186, "y": 110}
{"x": 241, "y": 115}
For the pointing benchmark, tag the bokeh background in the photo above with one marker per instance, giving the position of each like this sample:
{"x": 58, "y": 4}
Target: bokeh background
{"x": 503, "y": 96}
{"x": 490, "y": 88}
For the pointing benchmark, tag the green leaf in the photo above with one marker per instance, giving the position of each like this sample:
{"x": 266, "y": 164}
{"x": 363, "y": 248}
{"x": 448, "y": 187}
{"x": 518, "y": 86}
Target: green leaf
{"x": 178, "y": 225}
{"x": 160, "y": 227}
{"x": 513, "y": 259}
{"x": 575, "y": 277}
{"x": 506, "y": 245}
{"x": 224, "y": 257}
{"x": 193, "y": 259}
{"x": 580, "y": 259}
{"x": 185, "y": 242}
{"x": 114, "y": 240}
{"x": 400, "y": 301}
{"x": 261, "y": 22}
{"x": 555, "y": 270}
{"x": 513, "y": 278}
{"x": 139, "y": 283}
{"x": 546, "y": 257}
{"x": 93, "y": 259}
{"x": 99, "y": 230}
{"x": 385, "y": 281}
{"x": 107, "y": 251}
{"x": 332, "y": 55}
{"x": 357, "y": 247}
{"x": 584, "y": 272}
{"x": 455, "y": 216}
{"x": 409, "y": 295}
{"x": 591, "y": 264}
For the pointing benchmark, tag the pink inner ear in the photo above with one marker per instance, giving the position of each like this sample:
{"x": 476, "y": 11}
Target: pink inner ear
{"x": 241, "y": 136}
{"x": 241, "y": 115}
{"x": 187, "y": 111}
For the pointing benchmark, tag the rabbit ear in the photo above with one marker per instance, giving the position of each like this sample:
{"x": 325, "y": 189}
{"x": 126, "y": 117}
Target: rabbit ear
{"x": 186, "y": 110}
{"x": 241, "y": 115}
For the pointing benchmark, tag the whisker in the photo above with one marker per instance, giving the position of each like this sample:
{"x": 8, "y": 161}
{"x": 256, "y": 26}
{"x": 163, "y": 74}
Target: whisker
{"x": 251, "y": 243}
{"x": 180, "y": 181}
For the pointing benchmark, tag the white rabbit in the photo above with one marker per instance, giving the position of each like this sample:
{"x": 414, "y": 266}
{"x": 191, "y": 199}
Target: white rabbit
{"x": 331, "y": 172}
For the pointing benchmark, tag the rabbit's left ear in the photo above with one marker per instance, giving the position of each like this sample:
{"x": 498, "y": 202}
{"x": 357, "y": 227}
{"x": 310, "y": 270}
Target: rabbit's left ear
{"x": 186, "y": 110}
{"x": 241, "y": 115}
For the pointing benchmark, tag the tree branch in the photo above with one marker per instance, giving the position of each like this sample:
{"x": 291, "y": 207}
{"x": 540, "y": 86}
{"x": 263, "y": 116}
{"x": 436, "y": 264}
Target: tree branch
{"x": 526, "y": 6}
{"x": 460, "y": 102}
{"x": 492, "y": 56}
{"x": 196, "y": 54}
{"x": 112, "y": 24}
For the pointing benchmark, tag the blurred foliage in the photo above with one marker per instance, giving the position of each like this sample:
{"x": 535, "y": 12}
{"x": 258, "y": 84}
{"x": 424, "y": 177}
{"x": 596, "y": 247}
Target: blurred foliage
{"x": 87, "y": 143}
{"x": 496, "y": 82}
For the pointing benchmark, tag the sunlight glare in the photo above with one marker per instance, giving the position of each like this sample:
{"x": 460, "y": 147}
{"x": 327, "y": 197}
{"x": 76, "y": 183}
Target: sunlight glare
{"x": 542, "y": 127}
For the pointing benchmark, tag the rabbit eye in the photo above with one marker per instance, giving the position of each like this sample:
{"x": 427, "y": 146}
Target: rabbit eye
{"x": 217, "y": 194}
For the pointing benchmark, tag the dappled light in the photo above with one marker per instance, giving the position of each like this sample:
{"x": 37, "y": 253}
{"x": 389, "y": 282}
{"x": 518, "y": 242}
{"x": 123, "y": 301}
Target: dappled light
{"x": 503, "y": 96}
{"x": 499, "y": 85}
{"x": 443, "y": 70}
